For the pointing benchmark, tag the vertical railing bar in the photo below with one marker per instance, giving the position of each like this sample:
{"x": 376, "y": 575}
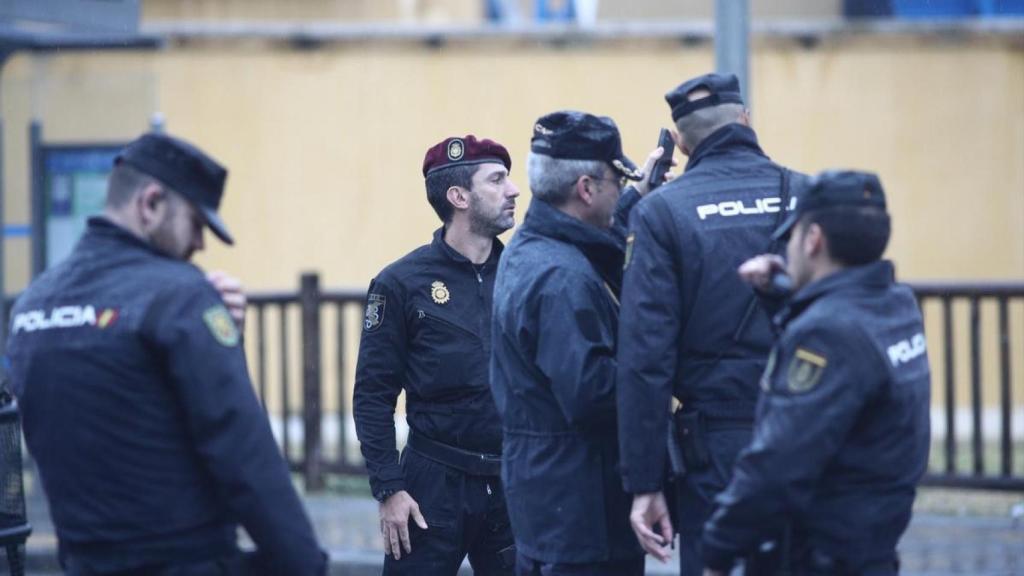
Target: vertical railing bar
{"x": 261, "y": 353}
{"x": 312, "y": 382}
{"x": 1005, "y": 395}
{"x": 977, "y": 445}
{"x": 342, "y": 399}
{"x": 947, "y": 325}
{"x": 285, "y": 405}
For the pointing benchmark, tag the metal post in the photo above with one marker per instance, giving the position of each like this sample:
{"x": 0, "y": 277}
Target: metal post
{"x": 35, "y": 132}
{"x": 3, "y": 244}
{"x": 977, "y": 446}
{"x": 732, "y": 33}
{"x": 309, "y": 298}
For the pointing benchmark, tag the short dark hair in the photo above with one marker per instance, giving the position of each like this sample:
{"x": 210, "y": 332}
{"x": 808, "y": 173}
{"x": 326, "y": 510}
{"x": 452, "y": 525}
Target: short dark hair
{"x": 440, "y": 181}
{"x": 124, "y": 182}
{"x": 855, "y": 235}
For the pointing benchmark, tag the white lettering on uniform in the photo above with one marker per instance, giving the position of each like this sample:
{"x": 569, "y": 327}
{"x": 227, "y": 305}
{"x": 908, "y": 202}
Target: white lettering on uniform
{"x": 731, "y": 208}
{"x": 62, "y": 317}
{"x": 904, "y": 351}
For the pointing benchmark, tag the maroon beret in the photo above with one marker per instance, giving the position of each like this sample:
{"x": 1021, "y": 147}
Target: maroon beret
{"x": 464, "y": 151}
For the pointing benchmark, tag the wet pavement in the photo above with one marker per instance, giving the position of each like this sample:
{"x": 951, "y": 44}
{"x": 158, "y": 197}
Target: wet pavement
{"x": 938, "y": 543}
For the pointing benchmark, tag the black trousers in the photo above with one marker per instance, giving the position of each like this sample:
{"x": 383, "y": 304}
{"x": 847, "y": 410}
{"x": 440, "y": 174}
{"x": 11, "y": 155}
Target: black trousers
{"x": 466, "y": 516}
{"x": 696, "y": 494}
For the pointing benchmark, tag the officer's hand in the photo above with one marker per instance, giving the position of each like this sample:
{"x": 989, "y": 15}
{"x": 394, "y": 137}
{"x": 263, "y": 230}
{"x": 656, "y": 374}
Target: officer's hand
{"x": 650, "y": 521}
{"x": 758, "y": 271}
{"x": 642, "y": 186}
{"x": 231, "y": 293}
{"x": 394, "y": 522}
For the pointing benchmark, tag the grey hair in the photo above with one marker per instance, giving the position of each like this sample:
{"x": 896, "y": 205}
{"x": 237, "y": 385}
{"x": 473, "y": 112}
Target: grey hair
{"x": 698, "y": 125}
{"x": 552, "y": 179}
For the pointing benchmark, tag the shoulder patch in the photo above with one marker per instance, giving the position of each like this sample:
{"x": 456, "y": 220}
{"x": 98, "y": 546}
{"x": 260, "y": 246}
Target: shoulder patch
{"x": 805, "y": 370}
{"x": 629, "y": 250}
{"x": 374, "y": 311}
{"x": 221, "y": 325}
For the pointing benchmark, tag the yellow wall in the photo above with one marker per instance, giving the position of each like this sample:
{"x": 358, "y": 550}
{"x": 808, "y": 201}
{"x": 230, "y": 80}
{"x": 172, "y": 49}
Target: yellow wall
{"x": 325, "y": 146}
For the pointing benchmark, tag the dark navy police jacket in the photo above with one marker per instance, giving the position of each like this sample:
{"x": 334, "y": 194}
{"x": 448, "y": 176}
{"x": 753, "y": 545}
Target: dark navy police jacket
{"x": 683, "y": 302}
{"x": 842, "y": 431}
{"x": 138, "y": 409}
{"x": 427, "y": 330}
{"x": 553, "y": 377}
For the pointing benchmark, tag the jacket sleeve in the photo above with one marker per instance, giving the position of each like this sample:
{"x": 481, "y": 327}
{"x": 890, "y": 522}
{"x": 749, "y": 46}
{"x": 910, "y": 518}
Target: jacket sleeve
{"x": 205, "y": 363}
{"x": 820, "y": 382}
{"x": 649, "y": 328}
{"x": 380, "y": 377}
{"x": 576, "y": 349}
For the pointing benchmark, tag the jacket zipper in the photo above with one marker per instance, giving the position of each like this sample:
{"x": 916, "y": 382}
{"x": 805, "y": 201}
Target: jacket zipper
{"x": 421, "y": 314}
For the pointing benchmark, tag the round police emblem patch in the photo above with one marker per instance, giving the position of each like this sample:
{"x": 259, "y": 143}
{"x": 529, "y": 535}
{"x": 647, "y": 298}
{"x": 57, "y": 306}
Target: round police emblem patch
{"x": 439, "y": 292}
{"x": 456, "y": 149}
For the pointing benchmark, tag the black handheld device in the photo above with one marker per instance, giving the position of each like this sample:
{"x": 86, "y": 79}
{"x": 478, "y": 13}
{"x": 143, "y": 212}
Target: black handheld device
{"x": 657, "y": 176}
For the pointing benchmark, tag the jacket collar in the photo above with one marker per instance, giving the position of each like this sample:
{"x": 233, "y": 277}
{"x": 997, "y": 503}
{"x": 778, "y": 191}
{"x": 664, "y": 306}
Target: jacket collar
{"x": 874, "y": 275}
{"x": 452, "y": 254}
{"x": 725, "y": 139}
{"x": 597, "y": 245}
{"x": 100, "y": 229}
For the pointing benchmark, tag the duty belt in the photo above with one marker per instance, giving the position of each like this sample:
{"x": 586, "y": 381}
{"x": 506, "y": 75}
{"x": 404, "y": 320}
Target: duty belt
{"x": 472, "y": 463}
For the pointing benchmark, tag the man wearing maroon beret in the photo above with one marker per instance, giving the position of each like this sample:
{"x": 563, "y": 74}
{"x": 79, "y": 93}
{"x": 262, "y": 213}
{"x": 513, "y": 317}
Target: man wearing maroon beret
{"x": 427, "y": 331}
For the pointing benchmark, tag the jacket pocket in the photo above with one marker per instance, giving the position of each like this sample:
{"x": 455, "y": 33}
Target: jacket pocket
{"x": 451, "y": 353}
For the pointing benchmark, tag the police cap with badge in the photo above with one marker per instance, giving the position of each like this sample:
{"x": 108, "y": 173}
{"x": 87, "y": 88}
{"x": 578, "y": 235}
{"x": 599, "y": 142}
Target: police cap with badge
{"x": 572, "y": 135}
{"x": 721, "y": 88}
{"x": 186, "y": 170}
{"x": 464, "y": 151}
{"x": 834, "y": 189}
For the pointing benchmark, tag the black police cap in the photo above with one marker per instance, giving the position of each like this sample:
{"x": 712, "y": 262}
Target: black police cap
{"x": 575, "y": 135}
{"x": 183, "y": 168}
{"x": 831, "y": 189}
{"x": 724, "y": 89}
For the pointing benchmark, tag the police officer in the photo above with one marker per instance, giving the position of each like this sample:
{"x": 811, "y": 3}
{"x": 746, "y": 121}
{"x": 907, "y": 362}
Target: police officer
{"x": 137, "y": 405}
{"x": 689, "y": 327}
{"x": 427, "y": 331}
{"x": 553, "y": 363}
{"x": 842, "y": 430}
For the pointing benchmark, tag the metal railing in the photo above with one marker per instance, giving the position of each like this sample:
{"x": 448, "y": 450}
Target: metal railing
{"x": 972, "y": 471}
{"x": 956, "y": 464}
{"x": 970, "y": 327}
{"x": 310, "y": 301}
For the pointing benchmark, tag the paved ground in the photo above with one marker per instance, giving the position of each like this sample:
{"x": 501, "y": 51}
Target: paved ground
{"x": 958, "y": 534}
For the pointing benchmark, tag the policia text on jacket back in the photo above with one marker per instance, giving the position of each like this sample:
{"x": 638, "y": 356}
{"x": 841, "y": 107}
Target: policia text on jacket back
{"x": 137, "y": 404}
{"x": 842, "y": 430}
{"x": 427, "y": 331}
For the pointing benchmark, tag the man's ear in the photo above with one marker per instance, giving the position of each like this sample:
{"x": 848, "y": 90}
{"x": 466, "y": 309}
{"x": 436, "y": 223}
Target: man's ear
{"x": 151, "y": 204}
{"x": 815, "y": 242}
{"x": 458, "y": 197}
{"x": 680, "y": 142}
{"x": 744, "y": 117}
{"x": 584, "y": 189}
